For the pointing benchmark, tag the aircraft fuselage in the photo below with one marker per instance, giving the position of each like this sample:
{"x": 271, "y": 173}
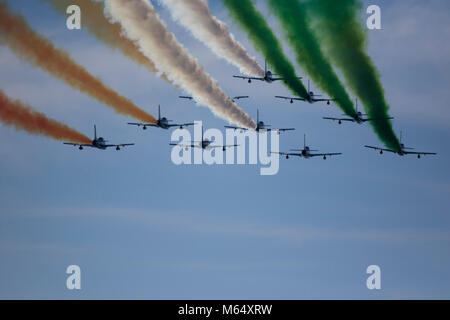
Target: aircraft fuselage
{"x": 204, "y": 144}
{"x": 163, "y": 123}
{"x": 260, "y": 126}
{"x": 268, "y": 77}
{"x": 359, "y": 119}
{"x": 305, "y": 153}
{"x": 99, "y": 143}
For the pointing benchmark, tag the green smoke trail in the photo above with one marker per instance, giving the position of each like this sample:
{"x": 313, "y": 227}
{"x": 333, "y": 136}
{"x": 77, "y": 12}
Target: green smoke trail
{"x": 338, "y": 26}
{"x": 259, "y": 32}
{"x": 292, "y": 17}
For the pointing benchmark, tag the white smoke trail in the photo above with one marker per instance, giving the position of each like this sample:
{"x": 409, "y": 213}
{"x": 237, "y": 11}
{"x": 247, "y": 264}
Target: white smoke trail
{"x": 196, "y": 16}
{"x": 141, "y": 23}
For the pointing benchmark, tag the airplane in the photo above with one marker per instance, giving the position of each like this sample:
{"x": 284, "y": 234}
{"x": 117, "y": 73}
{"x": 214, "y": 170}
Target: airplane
{"x": 99, "y": 143}
{"x": 231, "y": 98}
{"x": 268, "y": 76}
{"x": 306, "y": 152}
{"x": 204, "y": 144}
{"x": 260, "y": 125}
{"x": 403, "y": 150}
{"x": 162, "y": 123}
{"x": 311, "y": 97}
{"x": 358, "y": 118}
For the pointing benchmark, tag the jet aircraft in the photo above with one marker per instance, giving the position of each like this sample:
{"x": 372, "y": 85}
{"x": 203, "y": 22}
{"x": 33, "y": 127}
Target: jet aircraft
{"x": 231, "y": 98}
{"x": 162, "y": 123}
{"x": 312, "y": 97}
{"x": 99, "y": 143}
{"x": 403, "y": 150}
{"x": 204, "y": 144}
{"x": 260, "y": 125}
{"x": 269, "y": 77}
{"x": 306, "y": 152}
{"x": 359, "y": 117}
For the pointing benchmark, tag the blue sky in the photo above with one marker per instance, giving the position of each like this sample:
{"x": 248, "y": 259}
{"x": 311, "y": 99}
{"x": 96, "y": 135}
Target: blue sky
{"x": 141, "y": 227}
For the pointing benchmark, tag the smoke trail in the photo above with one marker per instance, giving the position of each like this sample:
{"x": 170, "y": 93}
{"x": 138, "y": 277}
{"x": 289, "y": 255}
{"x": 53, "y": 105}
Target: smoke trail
{"x": 32, "y": 47}
{"x": 308, "y": 52}
{"x": 196, "y": 16}
{"x": 260, "y": 33}
{"x": 95, "y": 21}
{"x": 342, "y": 35}
{"x": 14, "y": 113}
{"x": 142, "y": 24}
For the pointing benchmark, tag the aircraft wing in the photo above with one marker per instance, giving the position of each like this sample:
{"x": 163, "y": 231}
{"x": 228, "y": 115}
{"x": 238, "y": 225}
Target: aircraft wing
{"x": 186, "y": 97}
{"x": 338, "y": 119}
{"x": 248, "y": 78}
{"x": 288, "y": 154}
{"x": 278, "y": 79}
{"x": 230, "y": 145}
{"x": 240, "y": 97}
{"x": 375, "y": 119}
{"x": 381, "y": 149}
{"x": 323, "y": 99}
{"x": 235, "y": 128}
{"x": 325, "y": 154}
{"x": 119, "y": 145}
{"x": 290, "y": 98}
{"x": 78, "y": 144}
{"x": 281, "y": 130}
{"x": 142, "y": 124}
{"x": 420, "y": 153}
{"x": 192, "y": 145}
{"x": 222, "y": 147}
{"x": 181, "y": 124}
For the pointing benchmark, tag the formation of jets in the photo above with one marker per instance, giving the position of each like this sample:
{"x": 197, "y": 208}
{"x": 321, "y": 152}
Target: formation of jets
{"x": 306, "y": 152}
{"x": 99, "y": 143}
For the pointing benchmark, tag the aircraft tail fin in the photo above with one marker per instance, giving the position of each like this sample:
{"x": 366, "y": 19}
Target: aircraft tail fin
{"x": 159, "y": 112}
{"x": 95, "y": 132}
